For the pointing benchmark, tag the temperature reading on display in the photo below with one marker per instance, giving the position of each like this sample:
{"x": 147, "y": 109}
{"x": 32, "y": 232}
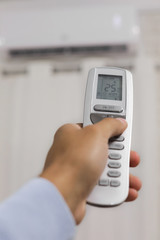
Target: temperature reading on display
{"x": 109, "y": 87}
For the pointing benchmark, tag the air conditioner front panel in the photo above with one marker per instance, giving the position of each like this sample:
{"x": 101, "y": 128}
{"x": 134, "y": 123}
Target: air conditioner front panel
{"x": 68, "y": 27}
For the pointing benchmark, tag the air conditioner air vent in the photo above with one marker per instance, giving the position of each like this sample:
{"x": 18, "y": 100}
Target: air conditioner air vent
{"x": 66, "y": 50}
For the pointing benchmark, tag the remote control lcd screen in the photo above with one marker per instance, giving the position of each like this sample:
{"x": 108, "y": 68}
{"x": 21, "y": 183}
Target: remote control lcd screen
{"x": 109, "y": 87}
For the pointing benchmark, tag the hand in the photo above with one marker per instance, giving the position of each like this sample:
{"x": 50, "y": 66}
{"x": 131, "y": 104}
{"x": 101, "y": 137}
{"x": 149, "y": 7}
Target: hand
{"x": 77, "y": 159}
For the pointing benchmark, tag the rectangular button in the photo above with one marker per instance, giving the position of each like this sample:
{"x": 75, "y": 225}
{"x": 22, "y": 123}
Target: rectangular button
{"x": 118, "y": 139}
{"x": 114, "y": 165}
{"x": 116, "y": 146}
{"x": 114, "y": 174}
{"x": 114, "y": 156}
{"x": 115, "y": 183}
{"x": 108, "y": 108}
{"x": 104, "y": 182}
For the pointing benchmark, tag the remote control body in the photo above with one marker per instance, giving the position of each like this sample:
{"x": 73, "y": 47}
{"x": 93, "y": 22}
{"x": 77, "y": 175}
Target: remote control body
{"x": 109, "y": 93}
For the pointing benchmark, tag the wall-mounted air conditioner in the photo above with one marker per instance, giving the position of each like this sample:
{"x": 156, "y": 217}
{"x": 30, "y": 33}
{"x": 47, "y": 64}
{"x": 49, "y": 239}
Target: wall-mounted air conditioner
{"x": 68, "y": 29}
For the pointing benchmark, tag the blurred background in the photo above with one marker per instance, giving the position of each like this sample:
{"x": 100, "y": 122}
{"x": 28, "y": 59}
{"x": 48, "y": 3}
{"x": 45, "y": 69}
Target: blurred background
{"x": 46, "y": 50}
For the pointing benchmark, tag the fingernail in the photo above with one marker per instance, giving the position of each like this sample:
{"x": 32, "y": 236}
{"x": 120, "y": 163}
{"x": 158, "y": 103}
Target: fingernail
{"x": 122, "y": 120}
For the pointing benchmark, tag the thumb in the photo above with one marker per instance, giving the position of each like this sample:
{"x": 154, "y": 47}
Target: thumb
{"x": 111, "y": 127}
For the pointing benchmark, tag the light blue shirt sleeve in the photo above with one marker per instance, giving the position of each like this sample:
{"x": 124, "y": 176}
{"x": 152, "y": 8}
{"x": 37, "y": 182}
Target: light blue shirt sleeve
{"x": 36, "y": 212}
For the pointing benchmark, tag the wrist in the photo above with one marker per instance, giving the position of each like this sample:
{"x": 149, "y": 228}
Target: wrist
{"x": 65, "y": 180}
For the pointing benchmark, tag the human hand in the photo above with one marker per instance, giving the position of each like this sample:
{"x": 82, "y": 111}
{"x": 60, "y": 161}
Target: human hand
{"x": 77, "y": 159}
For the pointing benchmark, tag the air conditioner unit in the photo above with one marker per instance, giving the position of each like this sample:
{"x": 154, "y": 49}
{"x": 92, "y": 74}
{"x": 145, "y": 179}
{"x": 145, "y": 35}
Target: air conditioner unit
{"x": 75, "y": 29}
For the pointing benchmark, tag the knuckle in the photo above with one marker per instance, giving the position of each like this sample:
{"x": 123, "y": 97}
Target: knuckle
{"x": 65, "y": 127}
{"x": 63, "y": 130}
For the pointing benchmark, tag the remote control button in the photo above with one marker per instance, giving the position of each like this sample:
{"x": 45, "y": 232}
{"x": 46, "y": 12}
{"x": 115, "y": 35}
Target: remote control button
{"x": 108, "y": 108}
{"x": 97, "y": 117}
{"x": 114, "y": 174}
{"x": 116, "y": 146}
{"x": 118, "y": 139}
{"x": 114, "y": 165}
{"x": 115, "y": 183}
{"x": 104, "y": 182}
{"x": 114, "y": 156}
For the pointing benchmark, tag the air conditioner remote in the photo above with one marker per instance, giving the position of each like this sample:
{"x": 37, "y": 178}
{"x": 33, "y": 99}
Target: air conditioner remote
{"x": 109, "y": 93}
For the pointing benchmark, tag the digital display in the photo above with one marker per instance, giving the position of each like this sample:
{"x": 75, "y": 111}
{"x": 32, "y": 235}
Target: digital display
{"x": 109, "y": 87}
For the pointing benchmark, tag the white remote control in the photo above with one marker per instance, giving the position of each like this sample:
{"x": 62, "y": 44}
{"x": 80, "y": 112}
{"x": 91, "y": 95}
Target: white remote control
{"x": 109, "y": 93}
